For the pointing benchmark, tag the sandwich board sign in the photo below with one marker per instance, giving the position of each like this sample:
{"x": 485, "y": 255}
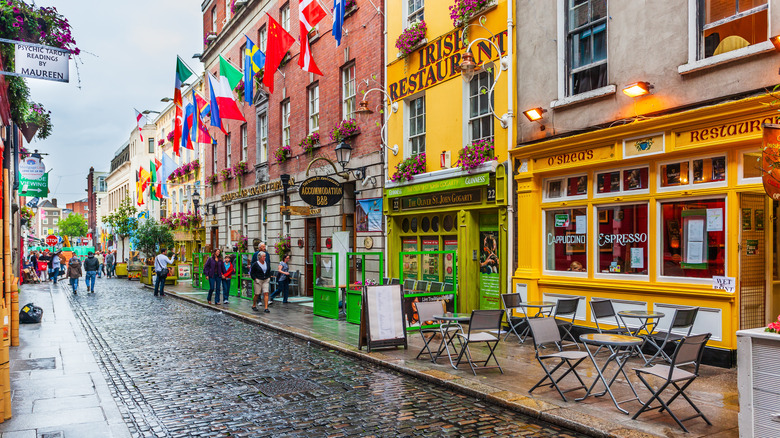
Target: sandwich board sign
{"x": 382, "y": 323}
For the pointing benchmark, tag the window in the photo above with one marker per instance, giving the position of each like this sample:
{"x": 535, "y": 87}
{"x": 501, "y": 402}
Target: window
{"x": 151, "y": 145}
{"x": 566, "y": 236}
{"x": 586, "y": 45}
{"x": 228, "y": 151}
{"x": 284, "y": 17}
{"x": 244, "y": 143}
{"x": 417, "y": 126}
{"x": 214, "y": 19}
{"x": 245, "y": 218}
{"x": 480, "y": 104}
{"x": 54, "y": 221}
{"x": 45, "y": 221}
{"x": 698, "y": 171}
{"x": 750, "y": 163}
{"x": 229, "y": 217}
{"x": 314, "y": 107}
{"x": 415, "y": 11}
{"x": 262, "y": 134}
{"x": 214, "y": 165}
{"x": 622, "y": 239}
{"x": 102, "y": 186}
{"x": 261, "y": 38}
{"x": 732, "y": 24}
{"x": 693, "y": 238}
{"x": 569, "y": 187}
{"x": 627, "y": 180}
{"x": 264, "y": 222}
{"x": 286, "y": 224}
{"x": 348, "y": 91}
{"x": 286, "y": 122}
{"x": 227, "y": 9}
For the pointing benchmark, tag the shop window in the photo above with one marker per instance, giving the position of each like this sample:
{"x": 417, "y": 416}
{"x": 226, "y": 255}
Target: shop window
{"x": 435, "y": 224}
{"x": 626, "y": 180}
{"x": 405, "y": 225}
{"x": 732, "y": 24}
{"x": 425, "y": 224}
{"x": 750, "y": 167}
{"x": 608, "y": 182}
{"x": 622, "y": 239}
{"x": 693, "y": 238}
{"x": 695, "y": 171}
{"x": 409, "y": 244}
{"x": 448, "y": 223}
{"x": 575, "y": 187}
{"x": 566, "y": 238}
{"x": 414, "y": 225}
{"x": 674, "y": 174}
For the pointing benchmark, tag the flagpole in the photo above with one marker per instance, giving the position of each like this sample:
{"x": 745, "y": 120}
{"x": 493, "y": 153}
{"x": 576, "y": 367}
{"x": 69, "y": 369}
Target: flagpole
{"x": 187, "y": 65}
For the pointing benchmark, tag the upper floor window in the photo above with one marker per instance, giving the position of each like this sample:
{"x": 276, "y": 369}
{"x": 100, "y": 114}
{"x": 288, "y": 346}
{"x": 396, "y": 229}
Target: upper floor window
{"x": 480, "y": 104}
{"x": 214, "y": 19}
{"x": 284, "y": 17}
{"x": 314, "y": 107}
{"x": 286, "y": 122}
{"x": 227, "y": 9}
{"x": 417, "y": 126}
{"x": 728, "y": 25}
{"x": 262, "y": 35}
{"x": 415, "y": 11}
{"x": 244, "y": 143}
{"x": 228, "y": 147}
{"x": 586, "y": 41}
{"x": 151, "y": 145}
{"x": 214, "y": 165}
{"x": 262, "y": 134}
{"x": 348, "y": 91}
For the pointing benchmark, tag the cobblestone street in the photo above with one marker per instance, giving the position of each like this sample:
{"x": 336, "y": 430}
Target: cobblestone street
{"x": 177, "y": 369}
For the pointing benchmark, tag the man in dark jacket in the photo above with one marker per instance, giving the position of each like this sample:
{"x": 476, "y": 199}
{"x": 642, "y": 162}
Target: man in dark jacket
{"x": 91, "y": 266}
{"x": 261, "y": 274}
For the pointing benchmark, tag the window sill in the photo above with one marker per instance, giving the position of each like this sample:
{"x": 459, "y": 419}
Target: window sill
{"x": 584, "y": 97}
{"x": 734, "y": 55}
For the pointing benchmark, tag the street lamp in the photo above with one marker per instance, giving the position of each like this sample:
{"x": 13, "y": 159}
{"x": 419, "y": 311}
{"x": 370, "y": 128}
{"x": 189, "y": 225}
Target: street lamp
{"x": 285, "y": 179}
{"x": 364, "y": 112}
{"x": 343, "y": 153}
{"x": 196, "y": 200}
{"x": 147, "y": 112}
{"x": 469, "y": 68}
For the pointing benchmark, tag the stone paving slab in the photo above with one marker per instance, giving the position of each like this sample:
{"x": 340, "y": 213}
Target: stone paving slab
{"x": 715, "y": 391}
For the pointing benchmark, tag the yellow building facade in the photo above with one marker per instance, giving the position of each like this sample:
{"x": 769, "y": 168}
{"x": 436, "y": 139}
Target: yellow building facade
{"x": 447, "y": 207}
{"x": 656, "y": 214}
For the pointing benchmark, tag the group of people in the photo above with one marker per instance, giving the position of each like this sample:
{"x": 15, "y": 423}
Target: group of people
{"x": 51, "y": 261}
{"x": 94, "y": 266}
{"x": 220, "y": 269}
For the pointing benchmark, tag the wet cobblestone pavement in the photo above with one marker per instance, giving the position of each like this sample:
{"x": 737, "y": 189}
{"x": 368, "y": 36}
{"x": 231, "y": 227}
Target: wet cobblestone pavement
{"x": 181, "y": 370}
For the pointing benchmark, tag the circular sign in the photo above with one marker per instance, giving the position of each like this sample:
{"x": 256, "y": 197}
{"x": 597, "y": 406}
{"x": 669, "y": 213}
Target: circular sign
{"x": 321, "y": 191}
{"x": 368, "y": 242}
{"x": 51, "y": 240}
{"x": 85, "y": 242}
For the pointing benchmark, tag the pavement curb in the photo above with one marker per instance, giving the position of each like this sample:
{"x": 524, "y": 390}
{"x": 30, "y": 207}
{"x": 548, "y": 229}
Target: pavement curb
{"x": 529, "y": 406}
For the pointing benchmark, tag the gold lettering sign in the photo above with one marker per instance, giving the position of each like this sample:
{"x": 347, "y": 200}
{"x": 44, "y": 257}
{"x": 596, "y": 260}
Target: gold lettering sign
{"x": 575, "y": 159}
{"x": 743, "y": 129}
{"x": 254, "y": 190}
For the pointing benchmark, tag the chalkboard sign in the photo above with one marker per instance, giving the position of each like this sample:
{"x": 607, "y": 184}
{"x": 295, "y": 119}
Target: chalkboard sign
{"x": 382, "y": 324}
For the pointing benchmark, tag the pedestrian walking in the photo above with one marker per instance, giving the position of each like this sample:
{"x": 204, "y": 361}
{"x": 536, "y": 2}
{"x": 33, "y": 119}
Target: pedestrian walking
{"x": 99, "y": 256}
{"x": 110, "y": 260}
{"x": 282, "y": 279}
{"x": 43, "y": 265}
{"x": 91, "y": 266}
{"x": 230, "y": 269}
{"x": 55, "y": 266}
{"x": 34, "y": 263}
{"x": 161, "y": 263}
{"x": 74, "y": 273}
{"x": 213, "y": 270}
{"x": 261, "y": 248}
{"x": 261, "y": 275}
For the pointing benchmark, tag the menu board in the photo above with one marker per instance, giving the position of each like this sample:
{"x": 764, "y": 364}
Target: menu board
{"x": 409, "y": 244}
{"x": 430, "y": 262}
{"x": 382, "y": 323}
{"x": 449, "y": 259}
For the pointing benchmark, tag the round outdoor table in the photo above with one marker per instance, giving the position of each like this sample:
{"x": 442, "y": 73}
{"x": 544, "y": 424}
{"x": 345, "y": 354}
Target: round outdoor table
{"x": 645, "y": 324}
{"x": 540, "y": 307}
{"x": 449, "y": 320}
{"x": 621, "y": 347}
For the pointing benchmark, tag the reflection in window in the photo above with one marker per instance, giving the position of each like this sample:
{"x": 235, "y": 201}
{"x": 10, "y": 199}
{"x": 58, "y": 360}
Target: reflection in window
{"x": 709, "y": 170}
{"x": 674, "y": 174}
{"x": 577, "y": 186}
{"x": 693, "y": 238}
{"x": 635, "y": 179}
{"x": 608, "y": 182}
{"x": 622, "y": 239}
{"x": 587, "y": 45}
{"x": 566, "y": 240}
{"x": 733, "y": 24}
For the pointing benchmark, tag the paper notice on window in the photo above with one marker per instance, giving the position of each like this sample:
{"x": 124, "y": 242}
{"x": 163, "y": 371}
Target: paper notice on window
{"x": 724, "y": 283}
{"x": 694, "y": 253}
{"x": 714, "y": 219}
{"x": 695, "y": 231}
{"x": 637, "y": 258}
{"x": 582, "y": 225}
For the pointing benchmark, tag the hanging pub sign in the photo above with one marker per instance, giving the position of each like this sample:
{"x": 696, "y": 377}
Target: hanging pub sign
{"x": 770, "y": 161}
{"x": 39, "y": 62}
{"x": 321, "y": 191}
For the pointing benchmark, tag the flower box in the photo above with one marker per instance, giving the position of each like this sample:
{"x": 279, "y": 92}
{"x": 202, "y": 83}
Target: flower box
{"x": 460, "y": 13}
{"x": 411, "y": 39}
{"x": 422, "y": 43}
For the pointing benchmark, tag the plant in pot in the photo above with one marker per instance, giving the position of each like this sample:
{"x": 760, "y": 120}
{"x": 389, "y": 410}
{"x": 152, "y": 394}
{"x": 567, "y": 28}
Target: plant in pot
{"x": 410, "y": 38}
{"x": 283, "y": 153}
{"x": 464, "y": 10}
{"x": 476, "y": 153}
{"x": 283, "y": 246}
{"x": 405, "y": 170}
{"x": 226, "y": 175}
{"x": 773, "y": 327}
{"x": 212, "y": 180}
{"x": 310, "y": 142}
{"x": 344, "y": 129}
{"x": 37, "y": 121}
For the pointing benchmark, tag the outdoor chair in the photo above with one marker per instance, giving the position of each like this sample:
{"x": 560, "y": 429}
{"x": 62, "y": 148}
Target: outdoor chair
{"x": 603, "y": 309}
{"x": 426, "y": 310}
{"x": 545, "y": 332}
{"x": 295, "y": 281}
{"x": 385, "y": 280}
{"x": 449, "y": 287}
{"x": 481, "y": 323}
{"x": 683, "y": 319}
{"x": 436, "y": 286}
{"x": 689, "y": 350}
{"x": 512, "y": 302}
{"x": 409, "y": 284}
{"x": 565, "y": 308}
{"x": 272, "y": 283}
{"x": 421, "y": 286}
{"x": 395, "y": 281}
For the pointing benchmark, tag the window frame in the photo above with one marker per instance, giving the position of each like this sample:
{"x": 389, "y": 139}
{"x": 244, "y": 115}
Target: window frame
{"x": 313, "y": 107}
{"x": 594, "y": 256}
{"x": 408, "y": 138}
{"x": 564, "y": 181}
{"x": 284, "y": 119}
{"x": 214, "y": 19}
{"x": 413, "y": 16}
{"x": 468, "y": 126}
{"x": 588, "y": 254}
{"x": 691, "y": 185}
{"x": 348, "y": 99}
{"x": 623, "y": 192}
{"x": 284, "y": 16}
{"x": 568, "y": 61}
{"x": 262, "y": 36}
{"x": 741, "y": 166}
{"x": 214, "y": 163}
{"x": 244, "y": 143}
{"x": 262, "y": 137}
{"x": 264, "y": 220}
{"x": 228, "y": 151}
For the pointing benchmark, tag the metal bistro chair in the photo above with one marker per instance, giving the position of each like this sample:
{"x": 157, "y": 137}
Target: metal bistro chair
{"x": 409, "y": 284}
{"x": 689, "y": 350}
{"x": 603, "y": 309}
{"x": 480, "y": 323}
{"x": 683, "y": 319}
{"x": 545, "y": 332}
{"x": 512, "y": 302}
{"x": 395, "y": 281}
{"x": 421, "y": 286}
{"x": 295, "y": 283}
{"x": 567, "y": 307}
{"x": 436, "y": 286}
{"x": 384, "y": 280}
{"x": 426, "y": 310}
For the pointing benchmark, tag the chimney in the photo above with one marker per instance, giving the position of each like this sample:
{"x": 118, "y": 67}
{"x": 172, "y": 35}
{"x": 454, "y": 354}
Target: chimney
{"x": 54, "y": 202}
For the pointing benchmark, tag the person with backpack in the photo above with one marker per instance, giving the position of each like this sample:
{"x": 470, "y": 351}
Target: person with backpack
{"x": 74, "y": 273}
{"x": 91, "y": 265}
{"x": 161, "y": 263}
{"x": 110, "y": 258}
{"x": 261, "y": 275}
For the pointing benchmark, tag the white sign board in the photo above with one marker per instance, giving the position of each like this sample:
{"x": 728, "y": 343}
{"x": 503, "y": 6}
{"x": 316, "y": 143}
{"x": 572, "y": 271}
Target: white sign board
{"x": 41, "y": 62}
{"x": 32, "y": 168}
{"x": 724, "y": 283}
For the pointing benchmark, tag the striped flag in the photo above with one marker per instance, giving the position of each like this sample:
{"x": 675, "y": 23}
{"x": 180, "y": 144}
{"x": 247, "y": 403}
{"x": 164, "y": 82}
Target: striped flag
{"x": 338, "y": 20}
{"x": 182, "y": 74}
{"x": 138, "y": 117}
{"x": 309, "y": 14}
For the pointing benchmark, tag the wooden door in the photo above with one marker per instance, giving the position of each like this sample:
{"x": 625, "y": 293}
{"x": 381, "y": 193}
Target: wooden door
{"x": 312, "y": 245}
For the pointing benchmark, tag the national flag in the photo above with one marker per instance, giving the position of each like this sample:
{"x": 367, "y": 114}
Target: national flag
{"x": 254, "y": 60}
{"x": 189, "y": 121}
{"x": 145, "y": 177}
{"x": 157, "y": 169}
{"x": 138, "y": 190}
{"x": 168, "y": 166}
{"x": 182, "y": 74}
{"x": 222, "y": 102}
{"x": 279, "y": 41}
{"x": 153, "y": 188}
{"x": 309, "y": 14}
{"x": 227, "y": 70}
{"x": 338, "y": 20}
{"x": 200, "y": 131}
{"x": 138, "y": 117}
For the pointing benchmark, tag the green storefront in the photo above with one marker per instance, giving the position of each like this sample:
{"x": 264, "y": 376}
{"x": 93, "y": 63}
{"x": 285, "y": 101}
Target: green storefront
{"x": 451, "y": 211}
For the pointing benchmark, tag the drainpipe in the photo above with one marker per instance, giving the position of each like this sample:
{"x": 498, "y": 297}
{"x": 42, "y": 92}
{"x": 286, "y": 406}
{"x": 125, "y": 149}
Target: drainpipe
{"x": 384, "y": 147}
{"x": 510, "y": 207}
{"x": 13, "y": 220}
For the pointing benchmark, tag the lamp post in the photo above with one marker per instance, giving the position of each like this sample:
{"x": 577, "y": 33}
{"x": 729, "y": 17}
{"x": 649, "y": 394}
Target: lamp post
{"x": 285, "y": 179}
{"x": 196, "y": 200}
{"x": 363, "y": 112}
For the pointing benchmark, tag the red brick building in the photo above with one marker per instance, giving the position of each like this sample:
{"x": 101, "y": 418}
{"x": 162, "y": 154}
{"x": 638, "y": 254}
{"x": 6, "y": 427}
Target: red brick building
{"x": 80, "y": 207}
{"x": 301, "y": 104}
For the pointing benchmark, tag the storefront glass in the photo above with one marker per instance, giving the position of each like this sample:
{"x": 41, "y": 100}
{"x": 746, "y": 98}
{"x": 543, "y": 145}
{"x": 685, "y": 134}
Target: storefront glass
{"x": 622, "y": 240}
{"x": 694, "y": 238}
{"x": 566, "y": 240}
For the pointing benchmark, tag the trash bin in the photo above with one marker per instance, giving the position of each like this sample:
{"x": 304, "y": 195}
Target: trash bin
{"x": 30, "y": 314}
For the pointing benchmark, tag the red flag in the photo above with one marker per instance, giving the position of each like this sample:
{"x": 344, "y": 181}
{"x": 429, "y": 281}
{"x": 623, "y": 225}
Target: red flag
{"x": 309, "y": 14}
{"x": 279, "y": 41}
{"x": 158, "y": 187}
{"x": 138, "y": 117}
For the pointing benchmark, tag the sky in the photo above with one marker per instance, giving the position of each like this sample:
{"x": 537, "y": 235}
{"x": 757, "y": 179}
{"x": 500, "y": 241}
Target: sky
{"x": 128, "y": 55}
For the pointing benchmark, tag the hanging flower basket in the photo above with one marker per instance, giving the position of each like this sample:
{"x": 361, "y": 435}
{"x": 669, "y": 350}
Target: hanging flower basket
{"x": 411, "y": 38}
{"x": 212, "y": 180}
{"x": 283, "y": 246}
{"x": 462, "y": 11}
{"x": 36, "y": 120}
{"x": 475, "y": 154}
{"x": 170, "y": 136}
{"x": 310, "y": 142}
{"x": 405, "y": 170}
{"x": 239, "y": 90}
{"x": 344, "y": 129}
{"x": 282, "y": 154}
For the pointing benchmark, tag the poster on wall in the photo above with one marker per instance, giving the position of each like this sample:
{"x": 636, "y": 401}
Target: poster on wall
{"x": 409, "y": 244}
{"x": 369, "y": 215}
{"x": 489, "y": 263}
{"x": 185, "y": 271}
{"x": 430, "y": 262}
{"x": 449, "y": 259}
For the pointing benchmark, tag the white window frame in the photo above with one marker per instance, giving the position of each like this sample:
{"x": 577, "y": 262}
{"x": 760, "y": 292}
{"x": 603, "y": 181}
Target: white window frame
{"x": 468, "y": 130}
{"x": 214, "y": 163}
{"x": 244, "y": 143}
{"x": 264, "y": 220}
{"x": 348, "y": 92}
{"x": 408, "y": 125}
{"x": 227, "y": 10}
{"x": 285, "y": 119}
{"x": 284, "y": 16}
{"x": 564, "y": 187}
{"x": 262, "y": 37}
{"x": 588, "y": 255}
{"x": 623, "y": 192}
{"x": 286, "y": 225}
{"x": 412, "y": 16}
{"x": 569, "y": 70}
{"x": 314, "y": 107}
{"x": 214, "y": 19}
{"x": 229, "y": 152}
{"x": 691, "y": 185}
{"x": 262, "y": 123}
{"x": 151, "y": 144}
{"x": 593, "y": 259}
{"x": 659, "y": 277}
{"x": 741, "y": 166}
